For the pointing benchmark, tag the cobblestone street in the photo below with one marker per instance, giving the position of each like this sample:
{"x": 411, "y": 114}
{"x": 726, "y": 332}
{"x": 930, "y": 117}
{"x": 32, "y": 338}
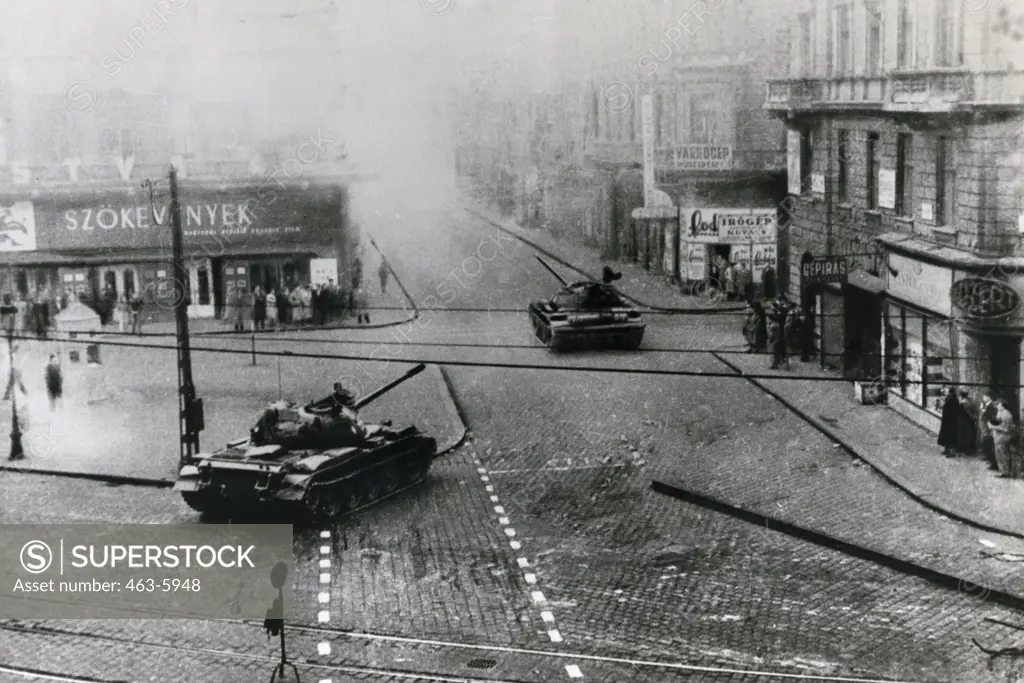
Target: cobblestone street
{"x": 541, "y": 534}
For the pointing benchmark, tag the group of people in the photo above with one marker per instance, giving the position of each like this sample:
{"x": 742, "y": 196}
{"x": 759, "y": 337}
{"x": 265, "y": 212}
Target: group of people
{"x": 53, "y": 379}
{"x": 737, "y": 282}
{"x": 306, "y": 304}
{"x": 779, "y": 327}
{"x": 988, "y": 426}
{"x": 35, "y": 314}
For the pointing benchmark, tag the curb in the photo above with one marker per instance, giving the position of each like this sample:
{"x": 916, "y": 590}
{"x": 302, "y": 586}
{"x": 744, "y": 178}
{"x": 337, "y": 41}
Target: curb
{"x": 455, "y": 411}
{"x": 89, "y": 476}
{"x": 890, "y": 476}
{"x": 560, "y": 260}
{"x": 943, "y": 579}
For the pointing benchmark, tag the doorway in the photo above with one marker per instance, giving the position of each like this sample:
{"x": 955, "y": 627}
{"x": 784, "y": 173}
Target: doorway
{"x": 1004, "y": 371}
{"x": 217, "y": 267}
{"x": 110, "y": 281}
{"x": 129, "y": 283}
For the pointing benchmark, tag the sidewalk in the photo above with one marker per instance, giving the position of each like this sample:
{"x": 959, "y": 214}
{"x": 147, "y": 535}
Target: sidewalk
{"x": 903, "y": 452}
{"x": 647, "y": 288}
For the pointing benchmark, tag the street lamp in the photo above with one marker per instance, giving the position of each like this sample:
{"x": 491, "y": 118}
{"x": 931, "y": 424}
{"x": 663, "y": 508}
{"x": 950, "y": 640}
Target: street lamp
{"x": 9, "y": 315}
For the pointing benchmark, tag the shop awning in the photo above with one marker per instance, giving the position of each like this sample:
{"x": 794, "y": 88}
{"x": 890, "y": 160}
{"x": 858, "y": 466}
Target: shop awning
{"x": 866, "y": 282}
{"x": 96, "y": 257}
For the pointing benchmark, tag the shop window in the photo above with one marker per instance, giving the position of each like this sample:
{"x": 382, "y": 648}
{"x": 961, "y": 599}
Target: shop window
{"x": 129, "y": 284}
{"x": 21, "y": 283}
{"x": 925, "y": 363}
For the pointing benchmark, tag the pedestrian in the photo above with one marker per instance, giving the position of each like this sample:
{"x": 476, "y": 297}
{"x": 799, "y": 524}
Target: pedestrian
{"x": 750, "y": 328}
{"x": 776, "y": 341}
{"x": 54, "y": 383}
{"x": 761, "y": 332}
{"x": 382, "y": 272}
{"x": 1002, "y": 428}
{"x": 11, "y": 374}
{"x": 259, "y": 309}
{"x": 237, "y": 310}
{"x": 731, "y": 285}
{"x": 744, "y": 282}
{"x": 950, "y": 423}
{"x": 136, "y": 309}
{"x": 123, "y": 313}
{"x": 361, "y": 311}
{"x": 271, "y": 308}
{"x": 284, "y": 306}
{"x": 306, "y": 303}
{"x": 967, "y": 434}
{"x": 986, "y": 413}
{"x": 768, "y": 280}
{"x": 793, "y": 334}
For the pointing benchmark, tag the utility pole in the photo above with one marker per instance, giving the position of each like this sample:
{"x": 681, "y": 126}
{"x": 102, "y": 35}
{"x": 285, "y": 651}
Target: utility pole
{"x": 190, "y": 408}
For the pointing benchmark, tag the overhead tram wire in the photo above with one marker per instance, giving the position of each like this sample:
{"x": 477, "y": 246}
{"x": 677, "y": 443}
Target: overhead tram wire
{"x": 510, "y": 366}
{"x": 227, "y": 334}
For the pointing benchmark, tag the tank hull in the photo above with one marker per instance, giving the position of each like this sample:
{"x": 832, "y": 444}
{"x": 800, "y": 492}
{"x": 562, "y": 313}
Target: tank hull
{"x": 558, "y": 333}
{"x": 312, "y": 485}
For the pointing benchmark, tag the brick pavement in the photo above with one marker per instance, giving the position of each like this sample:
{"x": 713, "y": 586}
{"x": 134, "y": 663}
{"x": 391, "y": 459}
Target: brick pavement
{"x": 899, "y": 449}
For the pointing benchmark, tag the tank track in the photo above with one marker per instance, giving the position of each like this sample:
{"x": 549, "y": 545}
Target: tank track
{"x": 335, "y": 497}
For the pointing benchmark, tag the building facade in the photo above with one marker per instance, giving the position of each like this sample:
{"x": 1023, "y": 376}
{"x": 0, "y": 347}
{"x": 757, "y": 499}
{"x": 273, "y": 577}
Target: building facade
{"x": 569, "y": 157}
{"x": 904, "y": 122}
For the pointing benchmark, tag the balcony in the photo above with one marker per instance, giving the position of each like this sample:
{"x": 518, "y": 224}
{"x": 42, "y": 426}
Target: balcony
{"x": 935, "y": 91}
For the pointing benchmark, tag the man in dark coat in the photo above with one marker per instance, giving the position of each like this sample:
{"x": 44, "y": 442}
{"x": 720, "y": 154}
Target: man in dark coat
{"x": 54, "y": 383}
{"x": 949, "y": 428}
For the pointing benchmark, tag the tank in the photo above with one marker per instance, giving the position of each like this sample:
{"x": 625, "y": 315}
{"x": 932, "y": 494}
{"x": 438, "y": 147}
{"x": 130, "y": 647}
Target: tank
{"x": 316, "y": 460}
{"x": 587, "y": 314}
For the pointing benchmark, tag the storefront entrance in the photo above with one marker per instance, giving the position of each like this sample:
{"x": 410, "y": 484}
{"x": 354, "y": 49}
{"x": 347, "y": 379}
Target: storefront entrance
{"x": 1004, "y": 370}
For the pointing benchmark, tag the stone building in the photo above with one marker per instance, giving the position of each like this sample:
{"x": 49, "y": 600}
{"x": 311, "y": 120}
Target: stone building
{"x": 568, "y": 156}
{"x": 904, "y": 122}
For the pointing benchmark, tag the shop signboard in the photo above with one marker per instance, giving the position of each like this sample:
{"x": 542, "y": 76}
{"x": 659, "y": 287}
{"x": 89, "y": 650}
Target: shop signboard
{"x": 322, "y": 270}
{"x": 978, "y": 298}
{"x": 17, "y": 227}
{"x": 793, "y": 172}
{"x": 828, "y": 270}
{"x": 695, "y": 258}
{"x": 922, "y": 284}
{"x": 729, "y": 226}
{"x": 213, "y": 219}
{"x": 915, "y": 373}
{"x": 702, "y": 157}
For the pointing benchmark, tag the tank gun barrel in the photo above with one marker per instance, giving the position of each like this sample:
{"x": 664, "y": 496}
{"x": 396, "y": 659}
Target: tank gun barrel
{"x": 389, "y": 386}
{"x": 552, "y": 270}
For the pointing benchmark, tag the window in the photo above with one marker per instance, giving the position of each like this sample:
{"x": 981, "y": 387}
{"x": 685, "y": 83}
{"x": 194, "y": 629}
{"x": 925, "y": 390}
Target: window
{"x": 945, "y": 182}
{"x": 874, "y": 47}
{"x": 905, "y": 35}
{"x": 803, "y": 61}
{"x": 844, "y": 48}
{"x": 873, "y": 167}
{"x": 922, "y": 358}
{"x": 947, "y": 49}
{"x": 806, "y": 159}
{"x": 704, "y": 119}
{"x": 904, "y": 175}
{"x": 842, "y": 179}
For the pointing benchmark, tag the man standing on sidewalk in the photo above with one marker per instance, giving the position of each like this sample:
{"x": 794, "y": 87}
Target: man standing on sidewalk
{"x": 12, "y": 375}
{"x": 382, "y": 273}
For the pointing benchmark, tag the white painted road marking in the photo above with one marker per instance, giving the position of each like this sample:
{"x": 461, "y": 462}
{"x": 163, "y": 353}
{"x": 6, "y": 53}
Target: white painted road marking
{"x": 325, "y": 578}
{"x": 324, "y": 648}
{"x": 538, "y": 597}
{"x": 510, "y": 532}
{"x": 325, "y": 564}
{"x": 555, "y": 636}
{"x": 325, "y": 550}
{"x": 523, "y": 562}
{"x": 531, "y": 578}
{"x": 323, "y": 617}
{"x": 325, "y": 534}
{"x": 515, "y": 545}
{"x": 573, "y": 671}
{"x": 547, "y": 616}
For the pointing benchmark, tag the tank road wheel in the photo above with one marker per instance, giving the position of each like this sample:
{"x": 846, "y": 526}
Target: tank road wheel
{"x": 313, "y": 504}
{"x": 200, "y": 501}
{"x": 335, "y": 503}
{"x": 391, "y": 479}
